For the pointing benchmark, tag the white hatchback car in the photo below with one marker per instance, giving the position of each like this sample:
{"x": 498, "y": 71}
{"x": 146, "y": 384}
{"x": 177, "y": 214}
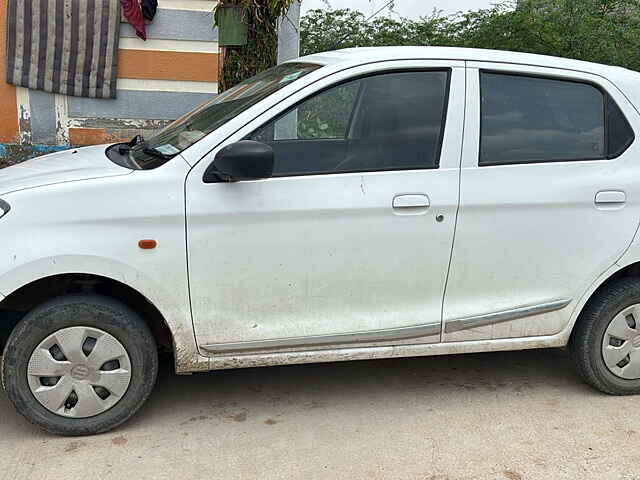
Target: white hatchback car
{"x": 366, "y": 203}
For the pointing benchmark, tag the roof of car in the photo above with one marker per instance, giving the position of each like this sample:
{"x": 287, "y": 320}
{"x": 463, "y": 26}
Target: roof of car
{"x": 373, "y": 54}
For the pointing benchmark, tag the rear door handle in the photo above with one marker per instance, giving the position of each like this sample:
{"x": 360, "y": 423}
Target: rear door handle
{"x": 610, "y": 198}
{"x": 411, "y": 203}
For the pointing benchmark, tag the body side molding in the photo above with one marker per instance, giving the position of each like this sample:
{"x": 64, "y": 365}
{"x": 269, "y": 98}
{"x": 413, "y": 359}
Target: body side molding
{"x": 504, "y": 316}
{"x": 370, "y": 336}
{"x": 390, "y": 334}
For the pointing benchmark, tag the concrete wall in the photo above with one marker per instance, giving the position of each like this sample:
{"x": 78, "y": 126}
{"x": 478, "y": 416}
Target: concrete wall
{"x": 289, "y": 34}
{"x": 158, "y": 81}
{"x": 8, "y": 106}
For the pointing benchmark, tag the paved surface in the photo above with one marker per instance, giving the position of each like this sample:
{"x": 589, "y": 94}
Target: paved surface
{"x": 519, "y": 415}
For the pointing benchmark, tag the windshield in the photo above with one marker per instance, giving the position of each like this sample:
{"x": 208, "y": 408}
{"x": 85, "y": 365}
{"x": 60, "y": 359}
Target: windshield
{"x": 196, "y": 124}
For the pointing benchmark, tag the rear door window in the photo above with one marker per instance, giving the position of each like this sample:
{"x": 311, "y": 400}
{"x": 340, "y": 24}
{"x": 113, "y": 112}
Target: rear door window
{"x": 526, "y": 119}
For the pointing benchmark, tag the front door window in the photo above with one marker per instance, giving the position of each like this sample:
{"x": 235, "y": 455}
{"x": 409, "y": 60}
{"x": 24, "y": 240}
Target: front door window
{"x": 391, "y": 121}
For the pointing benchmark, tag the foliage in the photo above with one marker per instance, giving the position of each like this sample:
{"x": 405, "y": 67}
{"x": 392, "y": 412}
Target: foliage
{"x": 275, "y": 8}
{"x": 323, "y": 116}
{"x": 261, "y": 50}
{"x": 320, "y": 30}
{"x": 604, "y": 31}
{"x": 327, "y": 115}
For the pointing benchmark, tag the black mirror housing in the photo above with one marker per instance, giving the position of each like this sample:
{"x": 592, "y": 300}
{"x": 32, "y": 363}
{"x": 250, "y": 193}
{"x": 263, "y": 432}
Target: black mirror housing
{"x": 243, "y": 160}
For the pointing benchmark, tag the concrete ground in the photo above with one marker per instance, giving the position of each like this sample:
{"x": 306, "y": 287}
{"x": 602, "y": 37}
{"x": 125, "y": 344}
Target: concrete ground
{"x": 518, "y": 415}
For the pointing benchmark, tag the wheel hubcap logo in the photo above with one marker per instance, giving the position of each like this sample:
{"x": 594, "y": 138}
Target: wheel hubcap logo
{"x": 80, "y": 372}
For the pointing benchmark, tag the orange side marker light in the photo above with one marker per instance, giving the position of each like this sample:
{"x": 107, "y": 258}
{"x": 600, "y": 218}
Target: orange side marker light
{"x": 147, "y": 244}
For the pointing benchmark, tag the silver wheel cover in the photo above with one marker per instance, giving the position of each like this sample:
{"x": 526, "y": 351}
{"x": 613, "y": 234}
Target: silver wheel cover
{"x": 79, "y": 372}
{"x": 621, "y": 344}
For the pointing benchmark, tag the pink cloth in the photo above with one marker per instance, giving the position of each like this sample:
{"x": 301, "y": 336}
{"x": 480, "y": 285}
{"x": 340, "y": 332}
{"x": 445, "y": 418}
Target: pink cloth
{"x": 133, "y": 13}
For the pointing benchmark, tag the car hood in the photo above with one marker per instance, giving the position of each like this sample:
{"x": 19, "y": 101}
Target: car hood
{"x": 66, "y": 166}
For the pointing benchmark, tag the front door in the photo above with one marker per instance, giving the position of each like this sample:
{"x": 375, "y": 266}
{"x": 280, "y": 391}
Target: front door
{"x": 349, "y": 243}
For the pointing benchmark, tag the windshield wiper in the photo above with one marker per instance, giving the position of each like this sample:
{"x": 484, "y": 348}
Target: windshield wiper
{"x": 126, "y": 146}
{"x": 154, "y": 152}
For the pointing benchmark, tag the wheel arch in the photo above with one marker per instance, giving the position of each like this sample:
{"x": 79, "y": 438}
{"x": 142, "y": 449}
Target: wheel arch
{"x": 617, "y": 272}
{"x": 36, "y": 292}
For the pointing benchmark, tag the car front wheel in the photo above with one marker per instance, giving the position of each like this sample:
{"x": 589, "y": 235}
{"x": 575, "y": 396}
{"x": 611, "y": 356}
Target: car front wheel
{"x": 79, "y": 365}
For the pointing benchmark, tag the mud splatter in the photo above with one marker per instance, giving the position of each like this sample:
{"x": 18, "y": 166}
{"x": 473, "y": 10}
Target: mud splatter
{"x": 511, "y": 475}
{"x": 121, "y": 440}
{"x": 313, "y": 404}
{"x": 199, "y": 418}
{"x": 73, "y": 446}
{"x": 239, "y": 417}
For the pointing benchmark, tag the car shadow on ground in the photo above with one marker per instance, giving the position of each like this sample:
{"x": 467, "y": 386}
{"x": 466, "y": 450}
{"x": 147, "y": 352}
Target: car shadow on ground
{"x": 270, "y": 392}
{"x": 233, "y": 393}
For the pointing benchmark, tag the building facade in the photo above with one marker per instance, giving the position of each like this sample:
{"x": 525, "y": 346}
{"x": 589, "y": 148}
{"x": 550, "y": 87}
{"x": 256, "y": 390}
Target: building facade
{"x": 159, "y": 79}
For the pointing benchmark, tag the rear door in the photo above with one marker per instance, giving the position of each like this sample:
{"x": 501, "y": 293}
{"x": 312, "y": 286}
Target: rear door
{"x": 547, "y": 202}
{"x": 349, "y": 242}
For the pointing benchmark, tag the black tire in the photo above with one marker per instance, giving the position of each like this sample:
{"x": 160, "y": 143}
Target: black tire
{"x": 87, "y": 310}
{"x": 586, "y": 341}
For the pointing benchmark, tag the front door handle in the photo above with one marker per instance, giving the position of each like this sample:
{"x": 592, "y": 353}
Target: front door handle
{"x": 411, "y": 203}
{"x": 610, "y": 198}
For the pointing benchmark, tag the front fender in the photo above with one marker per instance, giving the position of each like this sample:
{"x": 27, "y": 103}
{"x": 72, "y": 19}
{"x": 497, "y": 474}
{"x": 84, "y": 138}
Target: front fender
{"x": 173, "y": 305}
{"x": 94, "y": 227}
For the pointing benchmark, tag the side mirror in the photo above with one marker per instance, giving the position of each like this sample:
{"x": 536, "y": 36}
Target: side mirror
{"x": 243, "y": 160}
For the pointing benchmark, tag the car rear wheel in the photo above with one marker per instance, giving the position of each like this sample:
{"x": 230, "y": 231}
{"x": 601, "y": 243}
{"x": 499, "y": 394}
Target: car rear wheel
{"x": 605, "y": 344}
{"x": 79, "y": 365}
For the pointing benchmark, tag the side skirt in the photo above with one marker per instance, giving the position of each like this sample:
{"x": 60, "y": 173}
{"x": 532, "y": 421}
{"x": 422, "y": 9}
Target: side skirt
{"x": 222, "y": 362}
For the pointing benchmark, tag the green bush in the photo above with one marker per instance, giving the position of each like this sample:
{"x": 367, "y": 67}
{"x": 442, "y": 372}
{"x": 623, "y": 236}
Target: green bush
{"x": 603, "y": 31}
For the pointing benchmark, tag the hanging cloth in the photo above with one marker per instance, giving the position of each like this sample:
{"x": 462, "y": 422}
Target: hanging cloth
{"x": 63, "y": 46}
{"x": 133, "y": 13}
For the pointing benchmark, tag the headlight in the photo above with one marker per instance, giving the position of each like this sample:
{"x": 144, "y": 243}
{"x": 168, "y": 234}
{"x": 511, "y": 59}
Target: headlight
{"x": 4, "y": 208}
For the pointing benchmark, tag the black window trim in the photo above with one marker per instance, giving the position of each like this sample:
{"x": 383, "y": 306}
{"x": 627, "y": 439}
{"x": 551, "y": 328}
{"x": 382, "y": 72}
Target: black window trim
{"x": 609, "y": 98}
{"x": 605, "y": 104}
{"x": 445, "y": 110}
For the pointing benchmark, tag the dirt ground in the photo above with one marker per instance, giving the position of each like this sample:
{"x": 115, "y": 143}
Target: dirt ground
{"x": 517, "y": 415}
